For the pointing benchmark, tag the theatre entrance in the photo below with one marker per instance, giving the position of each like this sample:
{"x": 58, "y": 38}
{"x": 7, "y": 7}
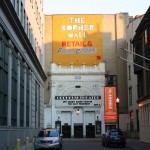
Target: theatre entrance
{"x": 66, "y": 131}
{"x": 90, "y": 131}
{"x": 78, "y": 130}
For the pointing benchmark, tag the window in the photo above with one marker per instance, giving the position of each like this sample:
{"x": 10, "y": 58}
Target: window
{"x": 13, "y": 3}
{"x": 29, "y": 35}
{"x": 140, "y": 85}
{"x": 21, "y": 94}
{"x": 17, "y": 7}
{"x": 37, "y": 103}
{"x": 27, "y": 98}
{"x": 147, "y": 81}
{"x": 24, "y": 20}
{"x": 27, "y": 30}
{"x": 22, "y": 17}
{"x": 145, "y": 37}
{"x": 129, "y": 70}
{"x": 111, "y": 80}
{"x": 130, "y": 45}
{"x": 131, "y": 121}
{"x": 35, "y": 45}
{"x": 130, "y": 95}
{"x": 137, "y": 119}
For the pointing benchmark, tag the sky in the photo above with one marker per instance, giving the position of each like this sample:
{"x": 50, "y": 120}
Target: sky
{"x": 132, "y": 7}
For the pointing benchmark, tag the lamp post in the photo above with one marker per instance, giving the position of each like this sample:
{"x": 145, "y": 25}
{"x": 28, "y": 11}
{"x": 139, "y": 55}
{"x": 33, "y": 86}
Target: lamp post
{"x": 117, "y": 103}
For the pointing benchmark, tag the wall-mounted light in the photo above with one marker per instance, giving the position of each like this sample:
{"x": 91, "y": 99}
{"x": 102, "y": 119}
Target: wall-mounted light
{"x": 117, "y": 100}
{"x": 78, "y": 111}
{"x": 97, "y": 118}
{"x": 140, "y": 105}
{"x": 58, "y": 118}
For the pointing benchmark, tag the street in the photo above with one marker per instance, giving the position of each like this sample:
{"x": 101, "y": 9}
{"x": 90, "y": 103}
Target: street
{"x": 95, "y": 144}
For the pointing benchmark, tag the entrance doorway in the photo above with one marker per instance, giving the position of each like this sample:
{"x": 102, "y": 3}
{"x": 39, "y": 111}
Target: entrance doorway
{"x": 66, "y": 131}
{"x": 90, "y": 131}
{"x": 78, "y": 130}
{"x": 58, "y": 126}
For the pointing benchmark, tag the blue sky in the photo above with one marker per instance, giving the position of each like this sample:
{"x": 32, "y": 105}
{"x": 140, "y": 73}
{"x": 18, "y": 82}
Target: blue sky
{"x": 133, "y": 7}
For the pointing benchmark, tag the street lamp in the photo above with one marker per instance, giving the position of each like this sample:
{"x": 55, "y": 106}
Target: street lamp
{"x": 117, "y": 103}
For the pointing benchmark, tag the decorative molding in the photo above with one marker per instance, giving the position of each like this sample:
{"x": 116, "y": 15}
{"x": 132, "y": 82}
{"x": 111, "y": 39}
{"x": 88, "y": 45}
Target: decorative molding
{"x": 10, "y": 44}
{"x": 96, "y": 69}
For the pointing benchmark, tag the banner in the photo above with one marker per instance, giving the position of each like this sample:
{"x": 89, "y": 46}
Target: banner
{"x": 110, "y": 103}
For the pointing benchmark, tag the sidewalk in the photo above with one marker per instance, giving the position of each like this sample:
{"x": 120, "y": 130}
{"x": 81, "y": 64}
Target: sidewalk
{"x": 23, "y": 147}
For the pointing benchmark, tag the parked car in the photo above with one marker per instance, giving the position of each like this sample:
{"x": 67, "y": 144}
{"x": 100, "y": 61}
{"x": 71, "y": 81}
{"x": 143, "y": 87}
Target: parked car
{"x": 114, "y": 137}
{"x": 48, "y": 138}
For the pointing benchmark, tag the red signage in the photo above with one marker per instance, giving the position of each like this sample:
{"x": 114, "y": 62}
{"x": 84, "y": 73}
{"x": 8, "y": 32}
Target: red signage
{"x": 110, "y": 103}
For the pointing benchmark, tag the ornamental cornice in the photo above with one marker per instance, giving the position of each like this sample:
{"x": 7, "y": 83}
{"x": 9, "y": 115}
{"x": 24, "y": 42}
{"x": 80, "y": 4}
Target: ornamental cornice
{"x": 95, "y": 69}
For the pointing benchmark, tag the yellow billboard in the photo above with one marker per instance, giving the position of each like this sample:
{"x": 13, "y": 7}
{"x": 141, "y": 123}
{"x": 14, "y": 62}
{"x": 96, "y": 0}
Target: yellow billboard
{"x": 77, "y": 39}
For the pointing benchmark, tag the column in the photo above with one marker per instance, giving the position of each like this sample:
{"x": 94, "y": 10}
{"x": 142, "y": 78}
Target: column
{"x": 72, "y": 124}
{"x": 33, "y": 116}
{"x": 30, "y": 98}
{"x": 53, "y": 86}
{"x": 37, "y": 106}
{"x": 10, "y": 47}
{"x": 25, "y": 87}
{"x": 84, "y": 124}
{"x": 18, "y": 90}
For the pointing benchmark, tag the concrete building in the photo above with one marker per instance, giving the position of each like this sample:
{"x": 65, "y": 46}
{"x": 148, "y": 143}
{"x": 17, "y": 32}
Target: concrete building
{"x": 21, "y": 73}
{"x": 84, "y": 73}
{"x": 133, "y": 119}
{"x": 141, "y": 44}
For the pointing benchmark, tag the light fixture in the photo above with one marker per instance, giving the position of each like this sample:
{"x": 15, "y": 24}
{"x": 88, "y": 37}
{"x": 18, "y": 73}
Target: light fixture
{"x": 140, "y": 105}
{"x": 97, "y": 118}
{"x": 117, "y": 100}
{"x": 78, "y": 111}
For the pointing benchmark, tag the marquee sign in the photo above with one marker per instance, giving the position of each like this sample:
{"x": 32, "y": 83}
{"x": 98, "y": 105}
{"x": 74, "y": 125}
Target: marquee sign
{"x": 77, "y": 97}
{"x": 78, "y": 100}
{"x": 77, "y": 39}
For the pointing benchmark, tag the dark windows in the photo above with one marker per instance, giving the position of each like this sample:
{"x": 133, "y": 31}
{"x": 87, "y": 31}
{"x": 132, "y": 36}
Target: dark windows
{"x": 140, "y": 85}
{"x": 129, "y": 71}
{"x": 111, "y": 80}
{"x": 27, "y": 98}
{"x": 130, "y": 95}
{"x": 3, "y": 82}
{"x": 21, "y": 94}
{"x": 14, "y": 90}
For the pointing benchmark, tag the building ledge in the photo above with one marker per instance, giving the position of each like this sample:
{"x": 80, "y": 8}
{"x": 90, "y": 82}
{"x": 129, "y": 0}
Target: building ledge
{"x": 96, "y": 69}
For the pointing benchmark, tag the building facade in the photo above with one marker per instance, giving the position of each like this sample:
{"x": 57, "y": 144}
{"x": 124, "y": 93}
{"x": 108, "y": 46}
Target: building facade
{"x": 141, "y": 44}
{"x": 80, "y": 61}
{"x": 133, "y": 119}
{"x": 21, "y": 73}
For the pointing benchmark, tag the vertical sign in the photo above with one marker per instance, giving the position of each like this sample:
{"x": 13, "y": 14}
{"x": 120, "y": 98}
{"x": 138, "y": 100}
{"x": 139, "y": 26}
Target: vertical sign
{"x": 110, "y": 103}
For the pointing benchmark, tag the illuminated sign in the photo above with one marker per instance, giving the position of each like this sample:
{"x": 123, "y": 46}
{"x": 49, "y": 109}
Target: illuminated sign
{"x": 77, "y": 39}
{"x": 110, "y": 103}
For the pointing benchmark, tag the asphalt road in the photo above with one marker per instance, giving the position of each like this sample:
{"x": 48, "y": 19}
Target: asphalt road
{"x": 95, "y": 144}
{"x": 87, "y": 144}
